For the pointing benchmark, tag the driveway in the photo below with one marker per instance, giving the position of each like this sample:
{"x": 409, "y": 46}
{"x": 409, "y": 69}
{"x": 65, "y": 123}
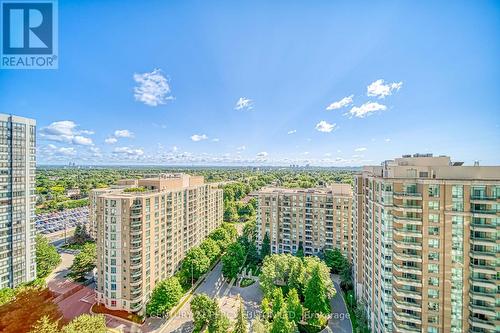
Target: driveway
{"x": 339, "y": 322}
{"x": 182, "y": 322}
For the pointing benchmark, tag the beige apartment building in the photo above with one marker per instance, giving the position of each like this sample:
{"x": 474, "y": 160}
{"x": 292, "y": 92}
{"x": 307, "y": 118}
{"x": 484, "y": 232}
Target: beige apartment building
{"x": 426, "y": 250}
{"x": 144, "y": 230}
{"x": 314, "y": 219}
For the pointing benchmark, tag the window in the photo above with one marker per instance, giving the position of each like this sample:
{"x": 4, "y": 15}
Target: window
{"x": 434, "y": 205}
{"x": 433, "y": 256}
{"x": 433, "y": 268}
{"x": 433, "y": 231}
{"x": 433, "y": 281}
{"x": 434, "y": 243}
{"x": 433, "y": 191}
{"x": 434, "y": 218}
{"x": 433, "y": 306}
{"x": 433, "y": 293}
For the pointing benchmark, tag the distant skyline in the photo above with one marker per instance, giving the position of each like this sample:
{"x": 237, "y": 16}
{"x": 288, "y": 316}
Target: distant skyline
{"x": 326, "y": 83}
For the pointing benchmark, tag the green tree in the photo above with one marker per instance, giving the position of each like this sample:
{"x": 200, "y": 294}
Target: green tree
{"x": 266, "y": 247}
{"x": 278, "y": 301}
{"x": 86, "y": 323}
{"x": 230, "y": 212}
{"x": 345, "y": 278}
{"x": 293, "y": 305}
{"x": 211, "y": 249}
{"x": 283, "y": 324}
{"x": 47, "y": 257}
{"x": 45, "y": 325}
{"x": 266, "y": 308}
{"x": 165, "y": 295}
{"x": 206, "y": 312}
{"x": 80, "y": 236}
{"x": 316, "y": 294}
{"x": 335, "y": 260}
{"x": 222, "y": 237}
{"x": 233, "y": 260}
{"x": 259, "y": 326}
{"x": 241, "y": 320}
{"x": 85, "y": 261}
{"x": 195, "y": 264}
{"x": 203, "y": 310}
{"x": 231, "y": 231}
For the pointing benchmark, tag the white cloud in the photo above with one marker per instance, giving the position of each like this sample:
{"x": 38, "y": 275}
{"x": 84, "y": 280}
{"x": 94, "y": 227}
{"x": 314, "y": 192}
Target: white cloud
{"x": 175, "y": 148}
{"x": 325, "y": 127}
{"x": 292, "y": 132}
{"x": 244, "y": 103}
{"x": 129, "y": 151}
{"x": 153, "y": 88}
{"x": 124, "y": 134}
{"x": 198, "y": 137}
{"x": 81, "y": 140}
{"x": 111, "y": 140}
{"x": 66, "y": 131}
{"x": 381, "y": 90}
{"x": 215, "y": 139}
{"x": 340, "y": 104}
{"x": 241, "y": 148}
{"x": 366, "y": 109}
{"x": 67, "y": 151}
{"x": 262, "y": 155}
{"x": 387, "y": 140}
{"x": 328, "y": 154}
{"x": 360, "y": 149}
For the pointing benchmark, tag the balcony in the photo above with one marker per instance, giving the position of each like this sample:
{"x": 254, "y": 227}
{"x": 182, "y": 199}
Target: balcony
{"x": 412, "y": 195}
{"x": 409, "y": 220}
{"x": 484, "y": 254}
{"x": 407, "y": 232}
{"x": 402, "y": 328}
{"x": 401, "y": 316}
{"x": 407, "y": 257}
{"x": 408, "y": 245}
{"x": 484, "y": 295}
{"x": 407, "y": 269}
{"x": 407, "y": 282}
{"x": 484, "y": 211}
{"x": 481, "y": 309}
{"x": 407, "y": 305}
{"x": 408, "y": 208}
{"x": 400, "y": 292}
{"x": 483, "y": 197}
{"x": 482, "y": 323}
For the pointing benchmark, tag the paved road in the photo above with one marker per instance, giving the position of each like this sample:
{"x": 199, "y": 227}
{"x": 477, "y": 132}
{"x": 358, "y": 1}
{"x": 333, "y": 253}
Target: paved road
{"x": 340, "y": 322}
{"x": 212, "y": 286}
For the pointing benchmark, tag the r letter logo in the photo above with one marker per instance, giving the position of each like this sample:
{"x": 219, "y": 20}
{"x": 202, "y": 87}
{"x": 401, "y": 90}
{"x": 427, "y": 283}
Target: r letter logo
{"x": 29, "y": 35}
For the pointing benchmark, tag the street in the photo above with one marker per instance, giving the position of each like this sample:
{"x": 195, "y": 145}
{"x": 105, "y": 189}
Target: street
{"x": 339, "y": 322}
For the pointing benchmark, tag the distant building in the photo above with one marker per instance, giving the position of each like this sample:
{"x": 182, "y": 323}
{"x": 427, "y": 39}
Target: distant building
{"x": 144, "y": 230}
{"x": 17, "y": 200}
{"x": 426, "y": 245}
{"x": 314, "y": 219}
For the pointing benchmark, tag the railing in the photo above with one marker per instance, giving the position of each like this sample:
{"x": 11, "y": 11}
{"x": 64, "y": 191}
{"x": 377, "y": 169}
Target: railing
{"x": 483, "y": 197}
{"x": 408, "y": 194}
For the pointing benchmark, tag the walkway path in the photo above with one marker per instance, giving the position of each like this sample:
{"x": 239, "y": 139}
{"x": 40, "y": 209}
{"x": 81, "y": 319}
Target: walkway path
{"x": 339, "y": 322}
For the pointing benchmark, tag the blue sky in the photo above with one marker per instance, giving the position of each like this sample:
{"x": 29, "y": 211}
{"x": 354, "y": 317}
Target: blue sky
{"x": 249, "y": 82}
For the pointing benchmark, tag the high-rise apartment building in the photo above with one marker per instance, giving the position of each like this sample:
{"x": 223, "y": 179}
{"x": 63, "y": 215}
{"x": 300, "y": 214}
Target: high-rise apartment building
{"x": 145, "y": 230}
{"x": 427, "y": 245}
{"x": 314, "y": 219}
{"x": 17, "y": 200}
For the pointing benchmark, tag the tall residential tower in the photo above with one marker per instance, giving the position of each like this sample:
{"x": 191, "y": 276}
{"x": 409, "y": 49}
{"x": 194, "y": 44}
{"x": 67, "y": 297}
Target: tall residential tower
{"x": 144, "y": 231}
{"x": 427, "y": 245}
{"x": 312, "y": 219}
{"x": 17, "y": 200}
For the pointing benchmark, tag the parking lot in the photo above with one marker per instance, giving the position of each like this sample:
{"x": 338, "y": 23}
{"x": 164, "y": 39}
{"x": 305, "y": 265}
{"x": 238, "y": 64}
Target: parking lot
{"x": 50, "y": 223}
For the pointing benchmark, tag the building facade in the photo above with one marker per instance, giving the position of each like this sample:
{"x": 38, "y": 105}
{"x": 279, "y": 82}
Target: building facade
{"x": 311, "y": 219}
{"x": 17, "y": 200}
{"x": 144, "y": 230}
{"x": 427, "y": 247}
